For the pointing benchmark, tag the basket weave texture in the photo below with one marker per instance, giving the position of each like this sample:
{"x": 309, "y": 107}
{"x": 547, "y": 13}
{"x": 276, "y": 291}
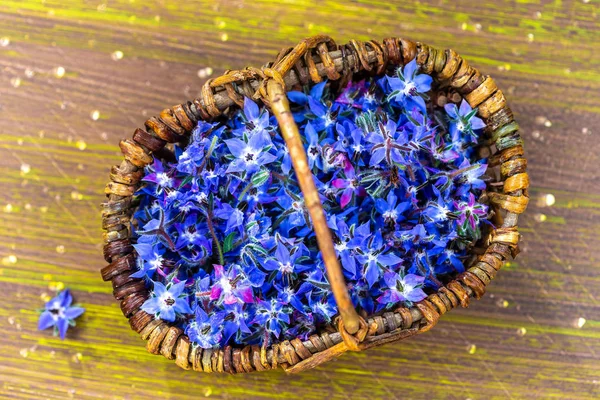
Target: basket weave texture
{"x": 312, "y": 60}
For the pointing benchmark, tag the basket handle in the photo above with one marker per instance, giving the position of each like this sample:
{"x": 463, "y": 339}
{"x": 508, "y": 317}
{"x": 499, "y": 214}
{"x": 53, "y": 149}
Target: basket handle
{"x": 280, "y": 106}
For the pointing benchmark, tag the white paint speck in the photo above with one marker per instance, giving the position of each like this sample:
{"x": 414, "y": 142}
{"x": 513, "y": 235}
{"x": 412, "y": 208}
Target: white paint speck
{"x": 117, "y": 55}
{"x": 25, "y": 168}
{"x": 205, "y": 72}
{"x": 581, "y": 322}
{"x": 81, "y": 145}
{"x": 59, "y": 72}
{"x": 95, "y": 115}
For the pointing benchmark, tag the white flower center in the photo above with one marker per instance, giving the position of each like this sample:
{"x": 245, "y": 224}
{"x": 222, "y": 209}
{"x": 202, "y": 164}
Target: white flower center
{"x": 157, "y": 262}
{"x": 406, "y": 288}
{"x": 200, "y": 197}
{"x": 286, "y": 268}
{"x": 185, "y": 209}
{"x": 249, "y": 156}
{"x": 460, "y": 126}
{"x": 328, "y": 119}
{"x": 163, "y": 179}
{"x": 225, "y": 285}
{"x": 167, "y": 300}
{"x": 190, "y": 236}
{"x": 341, "y": 247}
{"x": 390, "y": 214}
{"x": 410, "y": 87}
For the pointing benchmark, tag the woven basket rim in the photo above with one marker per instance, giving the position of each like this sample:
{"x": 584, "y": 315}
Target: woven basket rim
{"x": 223, "y": 95}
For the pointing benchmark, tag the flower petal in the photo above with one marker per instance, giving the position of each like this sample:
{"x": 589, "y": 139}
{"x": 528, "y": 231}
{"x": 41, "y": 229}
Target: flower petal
{"x": 423, "y": 83}
{"x": 65, "y": 298}
{"x": 151, "y": 305}
{"x": 451, "y": 110}
{"x": 74, "y": 312}
{"x": 159, "y": 288}
{"x": 372, "y": 273}
{"x": 409, "y": 70}
{"x": 346, "y": 197}
{"x": 167, "y": 314}
{"x": 236, "y": 146}
{"x": 182, "y": 306}
{"x": 465, "y": 108}
{"x": 251, "y": 109}
{"x": 297, "y": 97}
{"x": 62, "y": 325}
{"x": 477, "y": 123}
{"x": 46, "y": 320}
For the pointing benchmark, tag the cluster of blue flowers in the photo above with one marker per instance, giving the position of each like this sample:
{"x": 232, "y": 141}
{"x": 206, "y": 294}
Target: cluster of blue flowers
{"x": 225, "y": 240}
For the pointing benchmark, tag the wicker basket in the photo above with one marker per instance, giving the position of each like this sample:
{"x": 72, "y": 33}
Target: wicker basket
{"x": 310, "y": 61}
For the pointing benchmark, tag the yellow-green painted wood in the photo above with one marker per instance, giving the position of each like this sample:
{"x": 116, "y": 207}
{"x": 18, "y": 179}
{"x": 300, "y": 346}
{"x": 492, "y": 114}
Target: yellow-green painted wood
{"x": 66, "y": 98}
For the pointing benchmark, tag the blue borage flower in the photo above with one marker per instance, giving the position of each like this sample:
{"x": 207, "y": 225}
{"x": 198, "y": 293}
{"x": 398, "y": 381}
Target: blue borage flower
{"x": 226, "y": 242}
{"x": 168, "y": 302}
{"x": 59, "y": 314}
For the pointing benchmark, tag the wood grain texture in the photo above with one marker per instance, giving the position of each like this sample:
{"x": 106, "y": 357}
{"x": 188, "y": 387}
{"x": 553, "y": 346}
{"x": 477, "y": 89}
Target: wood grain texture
{"x": 66, "y": 99}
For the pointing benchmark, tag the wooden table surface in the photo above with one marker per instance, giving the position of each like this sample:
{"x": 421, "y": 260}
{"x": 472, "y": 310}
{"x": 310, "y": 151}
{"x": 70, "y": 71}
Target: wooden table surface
{"x": 77, "y": 76}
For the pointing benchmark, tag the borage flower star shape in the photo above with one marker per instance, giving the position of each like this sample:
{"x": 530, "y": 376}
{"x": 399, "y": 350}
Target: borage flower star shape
{"x": 250, "y": 156}
{"x": 231, "y": 286}
{"x": 386, "y": 145}
{"x": 408, "y": 87}
{"x": 469, "y": 213}
{"x": 254, "y": 121}
{"x": 391, "y": 210}
{"x": 59, "y": 313}
{"x": 273, "y": 316}
{"x": 313, "y": 150}
{"x": 167, "y": 302}
{"x": 349, "y": 186}
{"x": 285, "y": 265}
{"x": 407, "y": 288}
{"x": 376, "y": 256}
{"x": 206, "y": 331}
{"x": 150, "y": 259}
{"x": 463, "y": 121}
